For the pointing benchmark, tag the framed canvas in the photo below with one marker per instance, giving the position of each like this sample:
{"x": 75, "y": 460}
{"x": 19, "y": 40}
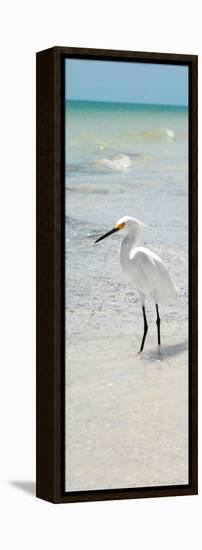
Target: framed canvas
{"x": 116, "y": 316}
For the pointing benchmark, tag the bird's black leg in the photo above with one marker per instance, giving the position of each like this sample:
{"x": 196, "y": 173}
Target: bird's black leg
{"x": 145, "y": 328}
{"x": 158, "y": 322}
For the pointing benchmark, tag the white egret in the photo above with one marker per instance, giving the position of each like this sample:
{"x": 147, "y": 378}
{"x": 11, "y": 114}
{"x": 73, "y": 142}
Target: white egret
{"x": 145, "y": 269}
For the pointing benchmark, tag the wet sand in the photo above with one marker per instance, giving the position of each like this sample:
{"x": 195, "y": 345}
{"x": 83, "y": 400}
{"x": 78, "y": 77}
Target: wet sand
{"x": 127, "y": 413}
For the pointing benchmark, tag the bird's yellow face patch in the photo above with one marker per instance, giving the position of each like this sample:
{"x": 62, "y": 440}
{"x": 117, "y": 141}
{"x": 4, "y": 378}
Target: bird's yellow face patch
{"x": 120, "y": 225}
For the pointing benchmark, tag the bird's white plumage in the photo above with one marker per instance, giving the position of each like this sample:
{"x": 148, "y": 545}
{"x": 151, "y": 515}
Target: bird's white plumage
{"x": 143, "y": 267}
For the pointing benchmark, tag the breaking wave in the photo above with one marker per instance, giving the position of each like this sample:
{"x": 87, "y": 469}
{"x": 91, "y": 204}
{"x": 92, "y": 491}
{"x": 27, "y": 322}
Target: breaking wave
{"x": 86, "y": 139}
{"x": 160, "y": 134}
{"x": 116, "y": 162}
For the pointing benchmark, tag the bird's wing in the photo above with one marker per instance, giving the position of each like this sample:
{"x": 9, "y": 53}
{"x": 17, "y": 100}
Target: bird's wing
{"x": 142, "y": 269}
{"x": 151, "y": 276}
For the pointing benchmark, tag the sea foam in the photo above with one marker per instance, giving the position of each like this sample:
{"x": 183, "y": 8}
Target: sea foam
{"x": 116, "y": 162}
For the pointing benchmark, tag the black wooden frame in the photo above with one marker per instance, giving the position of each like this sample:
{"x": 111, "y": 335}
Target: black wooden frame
{"x": 50, "y": 275}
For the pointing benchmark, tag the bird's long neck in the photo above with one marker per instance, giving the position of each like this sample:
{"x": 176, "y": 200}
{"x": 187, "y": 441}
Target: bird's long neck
{"x": 127, "y": 245}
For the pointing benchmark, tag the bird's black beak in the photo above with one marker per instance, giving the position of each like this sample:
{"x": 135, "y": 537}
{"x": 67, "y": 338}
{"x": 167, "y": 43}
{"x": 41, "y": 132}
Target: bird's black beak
{"x": 107, "y": 234}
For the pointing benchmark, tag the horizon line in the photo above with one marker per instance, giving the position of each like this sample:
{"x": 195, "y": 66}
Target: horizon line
{"x": 183, "y": 105}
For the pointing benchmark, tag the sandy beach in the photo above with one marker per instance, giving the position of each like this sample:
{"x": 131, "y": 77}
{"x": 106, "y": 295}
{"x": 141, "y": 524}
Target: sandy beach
{"x": 127, "y": 414}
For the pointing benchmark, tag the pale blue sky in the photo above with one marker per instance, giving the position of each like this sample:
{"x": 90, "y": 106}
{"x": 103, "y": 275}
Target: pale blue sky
{"x": 127, "y": 82}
